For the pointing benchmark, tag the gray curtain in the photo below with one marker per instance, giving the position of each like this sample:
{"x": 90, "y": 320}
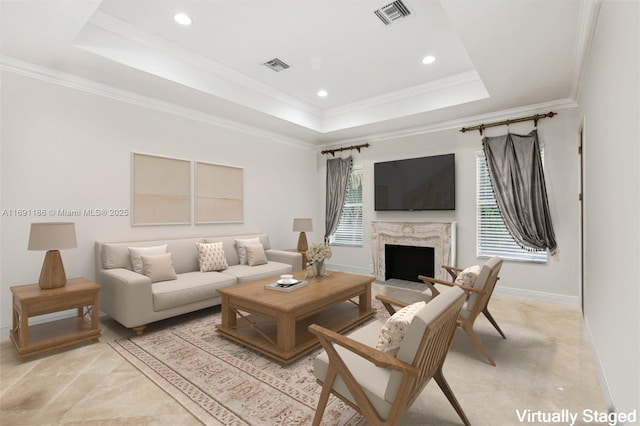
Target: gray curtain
{"x": 338, "y": 171}
{"x": 517, "y": 178}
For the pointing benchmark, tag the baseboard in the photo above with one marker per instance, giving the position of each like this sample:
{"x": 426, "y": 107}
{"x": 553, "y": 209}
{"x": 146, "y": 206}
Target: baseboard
{"x": 352, "y": 269}
{"x": 604, "y": 385}
{"x": 539, "y": 295}
{"x": 528, "y": 294}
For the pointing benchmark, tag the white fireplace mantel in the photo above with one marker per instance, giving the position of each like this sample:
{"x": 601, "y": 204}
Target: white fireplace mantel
{"x": 439, "y": 235}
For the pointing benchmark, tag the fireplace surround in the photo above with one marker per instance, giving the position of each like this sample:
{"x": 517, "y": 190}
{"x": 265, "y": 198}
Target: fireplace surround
{"x": 439, "y": 235}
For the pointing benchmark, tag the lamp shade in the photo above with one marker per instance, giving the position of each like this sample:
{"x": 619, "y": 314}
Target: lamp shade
{"x": 52, "y": 236}
{"x": 302, "y": 225}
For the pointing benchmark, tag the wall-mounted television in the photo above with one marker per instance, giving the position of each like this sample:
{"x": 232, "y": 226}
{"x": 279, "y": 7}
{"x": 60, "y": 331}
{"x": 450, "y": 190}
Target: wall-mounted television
{"x": 425, "y": 183}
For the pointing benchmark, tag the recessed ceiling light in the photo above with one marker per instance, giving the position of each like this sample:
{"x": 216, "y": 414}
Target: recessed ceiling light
{"x": 182, "y": 19}
{"x": 428, "y": 59}
{"x": 322, "y": 93}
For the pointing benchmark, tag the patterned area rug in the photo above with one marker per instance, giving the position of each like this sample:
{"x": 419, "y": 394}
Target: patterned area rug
{"x": 223, "y": 383}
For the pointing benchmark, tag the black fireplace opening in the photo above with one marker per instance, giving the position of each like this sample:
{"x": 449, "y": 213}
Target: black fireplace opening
{"x": 407, "y": 262}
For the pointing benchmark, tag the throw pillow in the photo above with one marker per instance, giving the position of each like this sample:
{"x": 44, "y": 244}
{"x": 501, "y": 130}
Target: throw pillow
{"x": 393, "y": 331}
{"x": 241, "y": 243}
{"x": 158, "y": 267}
{"x": 136, "y": 252}
{"x": 468, "y": 276}
{"x": 256, "y": 255}
{"x": 211, "y": 257}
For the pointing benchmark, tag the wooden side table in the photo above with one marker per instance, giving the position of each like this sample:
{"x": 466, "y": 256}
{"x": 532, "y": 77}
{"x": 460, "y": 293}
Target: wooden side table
{"x": 30, "y": 300}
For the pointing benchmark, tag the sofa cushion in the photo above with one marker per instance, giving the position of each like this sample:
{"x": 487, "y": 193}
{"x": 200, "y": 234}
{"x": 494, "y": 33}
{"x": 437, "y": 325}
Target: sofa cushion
{"x": 137, "y": 252}
{"x": 190, "y": 287}
{"x": 240, "y": 245}
{"x": 158, "y": 267}
{"x": 230, "y": 249}
{"x": 211, "y": 257}
{"x": 184, "y": 255}
{"x": 245, "y": 273}
{"x": 394, "y": 329}
{"x": 229, "y": 245}
{"x": 255, "y": 255}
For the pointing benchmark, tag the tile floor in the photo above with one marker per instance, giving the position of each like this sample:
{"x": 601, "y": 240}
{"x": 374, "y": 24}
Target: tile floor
{"x": 544, "y": 365}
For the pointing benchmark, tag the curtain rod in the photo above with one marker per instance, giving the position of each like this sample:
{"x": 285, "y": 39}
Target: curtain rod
{"x": 346, "y": 148}
{"x": 535, "y": 118}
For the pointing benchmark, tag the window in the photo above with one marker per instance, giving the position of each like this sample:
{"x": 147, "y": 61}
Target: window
{"x": 349, "y": 232}
{"x": 493, "y": 237}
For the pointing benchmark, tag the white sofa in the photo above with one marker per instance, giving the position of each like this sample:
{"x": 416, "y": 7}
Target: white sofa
{"x": 134, "y": 301}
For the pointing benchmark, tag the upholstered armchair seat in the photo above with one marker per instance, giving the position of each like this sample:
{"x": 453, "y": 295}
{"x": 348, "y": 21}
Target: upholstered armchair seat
{"x": 372, "y": 379}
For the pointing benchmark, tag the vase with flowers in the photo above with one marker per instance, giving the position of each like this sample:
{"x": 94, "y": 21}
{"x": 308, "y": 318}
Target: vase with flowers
{"x": 317, "y": 254}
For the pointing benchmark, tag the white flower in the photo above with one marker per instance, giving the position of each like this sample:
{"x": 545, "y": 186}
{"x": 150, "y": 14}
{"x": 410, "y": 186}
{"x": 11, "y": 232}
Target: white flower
{"x": 318, "y": 252}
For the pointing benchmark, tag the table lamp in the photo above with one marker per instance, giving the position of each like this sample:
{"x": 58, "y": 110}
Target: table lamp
{"x": 302, "y": 225}
{"x": 52, "y": 237}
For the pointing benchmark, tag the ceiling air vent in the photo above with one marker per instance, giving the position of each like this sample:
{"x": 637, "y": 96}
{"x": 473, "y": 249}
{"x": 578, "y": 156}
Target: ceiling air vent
{"x": 276, "y": 64}
{"x": 392, "y": 12}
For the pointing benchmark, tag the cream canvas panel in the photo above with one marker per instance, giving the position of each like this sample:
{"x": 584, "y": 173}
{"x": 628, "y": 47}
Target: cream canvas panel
{"x": 219, "y": 193}
{"x": 161, "y": 190}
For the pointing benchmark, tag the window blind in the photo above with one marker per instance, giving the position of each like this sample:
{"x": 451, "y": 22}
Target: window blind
{"x": 350, "y": 228}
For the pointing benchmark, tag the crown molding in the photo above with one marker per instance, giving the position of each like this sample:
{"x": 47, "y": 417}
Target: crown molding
{"x": 589, "y": 12}
{"x": 406, "y": 93}
{"x": 468, "y": 121}
{"x": 17, "y": 66}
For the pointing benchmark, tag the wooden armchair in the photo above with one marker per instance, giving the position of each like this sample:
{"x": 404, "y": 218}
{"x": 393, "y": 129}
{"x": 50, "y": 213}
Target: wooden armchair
{"x": 382, "y": 386}
{"x": 477, "y": 300}
{"x": 453, "y": 271}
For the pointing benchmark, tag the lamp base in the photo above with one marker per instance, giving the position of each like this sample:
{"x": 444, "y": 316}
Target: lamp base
{"x": 52, "y": 274}
{"x": 302, "y": 243}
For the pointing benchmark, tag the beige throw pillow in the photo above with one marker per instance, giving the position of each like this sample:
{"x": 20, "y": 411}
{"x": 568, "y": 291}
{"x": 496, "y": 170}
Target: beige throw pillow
{"x": 241, "y": 243}
{"x": 393, "y": 331}
{"x": 158, "y": 267}
{"x": 211, "y": 257}
{"x": 468, "y": 276}
{"x": 256, "y": 255}
{"x": 136, "y": 252}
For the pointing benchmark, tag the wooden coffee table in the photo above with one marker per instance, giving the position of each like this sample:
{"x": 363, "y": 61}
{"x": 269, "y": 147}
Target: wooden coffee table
{"x": 275, "y": 322}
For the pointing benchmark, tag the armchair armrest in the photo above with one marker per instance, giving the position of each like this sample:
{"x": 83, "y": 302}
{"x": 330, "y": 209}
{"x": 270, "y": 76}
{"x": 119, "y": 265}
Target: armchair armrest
{"x": 391, "y": 301}
{"x": 452, "y": 270}
{"x": 379, "y": 358}
{"x": 429, "y": 280}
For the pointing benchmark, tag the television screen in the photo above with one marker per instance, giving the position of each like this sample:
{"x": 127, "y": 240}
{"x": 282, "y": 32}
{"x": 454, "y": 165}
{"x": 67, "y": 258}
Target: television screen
{"x": 426, "y": 183}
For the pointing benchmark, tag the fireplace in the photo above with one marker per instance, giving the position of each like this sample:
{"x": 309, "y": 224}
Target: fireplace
{"x": 439, "y": 236}
{"x": 407, "y": 262}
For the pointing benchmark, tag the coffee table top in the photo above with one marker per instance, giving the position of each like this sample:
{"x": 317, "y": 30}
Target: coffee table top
{"x": 335, "y": 285}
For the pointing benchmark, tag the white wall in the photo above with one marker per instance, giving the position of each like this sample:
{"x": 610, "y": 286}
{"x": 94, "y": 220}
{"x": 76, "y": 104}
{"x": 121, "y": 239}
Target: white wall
{"x": 558, "y": 278}
{"x": 610, "y": 105}
{"x": 68, "y": 149}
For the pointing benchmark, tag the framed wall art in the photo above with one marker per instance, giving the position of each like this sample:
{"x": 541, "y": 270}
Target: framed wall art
{"x": 218, "y": 194}
{"x": 161, "y": 190}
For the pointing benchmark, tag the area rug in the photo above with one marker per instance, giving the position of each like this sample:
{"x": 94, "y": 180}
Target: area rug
{"x": 223, "y": 383}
